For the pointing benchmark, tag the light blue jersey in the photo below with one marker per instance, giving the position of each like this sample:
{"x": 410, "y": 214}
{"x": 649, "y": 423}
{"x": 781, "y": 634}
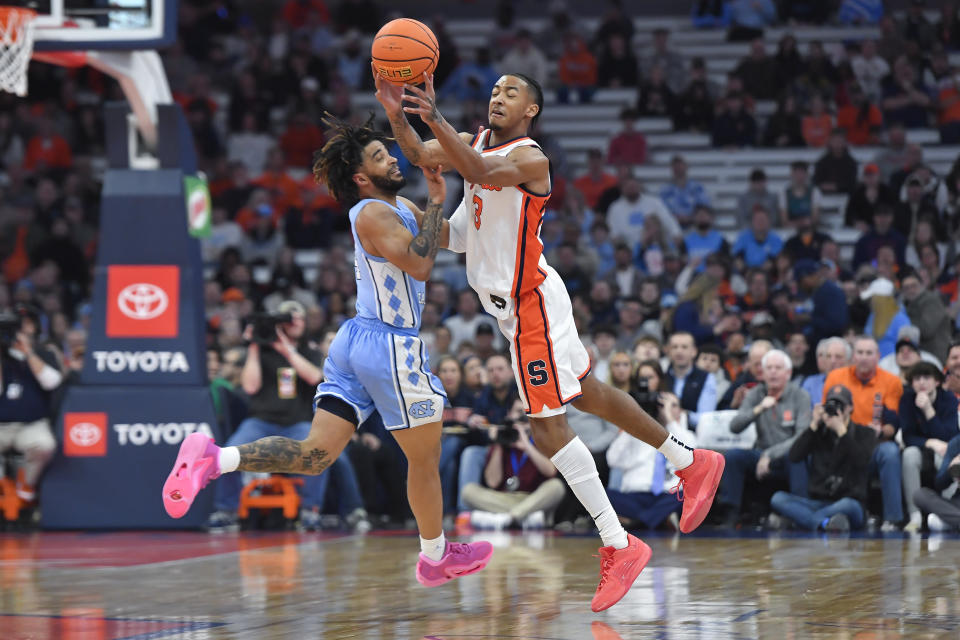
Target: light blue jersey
{"x": 377, "y": 361}
{"x": 384, "y": 291}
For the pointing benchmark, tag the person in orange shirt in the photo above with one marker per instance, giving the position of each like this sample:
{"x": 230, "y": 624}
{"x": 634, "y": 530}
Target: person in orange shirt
{"x": 860, "y": 119}
{"x": 817, "y": 126}
{"x": 284, "y": 190}
{"x": 948, "y": 108}
{"x": 258, "y": 205}
{"x": 876, "y": 400}
{"x": 578, "y": 70}
{"x": 595, "y": 181}
{"x": 300, "y": 140}
{"x": 47, "y": 149}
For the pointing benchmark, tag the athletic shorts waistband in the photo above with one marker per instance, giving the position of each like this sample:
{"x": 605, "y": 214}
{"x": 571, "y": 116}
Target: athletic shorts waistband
{"x": 373, "y": 324}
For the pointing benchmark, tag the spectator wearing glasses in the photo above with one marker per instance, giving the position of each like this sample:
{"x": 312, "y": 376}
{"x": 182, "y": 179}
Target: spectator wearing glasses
{"x": 781, "y": 411}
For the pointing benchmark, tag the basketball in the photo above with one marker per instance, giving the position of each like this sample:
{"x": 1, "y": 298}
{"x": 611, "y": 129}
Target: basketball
{"x": 403, "y": 50}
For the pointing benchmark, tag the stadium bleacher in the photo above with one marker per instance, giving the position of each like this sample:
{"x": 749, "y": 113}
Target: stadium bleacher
{"x": 579, "y": 128}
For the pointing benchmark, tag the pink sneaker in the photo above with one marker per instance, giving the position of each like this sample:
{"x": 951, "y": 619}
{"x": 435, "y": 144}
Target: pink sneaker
{"x": 197, "y": 464}
{"x": 698, "y": 484}
{"x": 458, "y": 560}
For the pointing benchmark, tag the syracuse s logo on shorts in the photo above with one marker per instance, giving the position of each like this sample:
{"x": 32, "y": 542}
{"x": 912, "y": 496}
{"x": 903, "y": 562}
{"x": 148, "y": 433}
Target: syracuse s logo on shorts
{"x": 422, "y": 409}
{"x": 85, "y": 435}
{"x": 143, "y": 301}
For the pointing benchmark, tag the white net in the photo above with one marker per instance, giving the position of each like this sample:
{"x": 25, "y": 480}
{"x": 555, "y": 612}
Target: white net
{"x": 16, "y": 47}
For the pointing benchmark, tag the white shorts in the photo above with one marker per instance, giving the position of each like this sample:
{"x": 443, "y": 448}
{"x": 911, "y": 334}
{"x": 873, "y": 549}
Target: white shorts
{"x": 27, "y": 436}
{"x": 549, "y": 361}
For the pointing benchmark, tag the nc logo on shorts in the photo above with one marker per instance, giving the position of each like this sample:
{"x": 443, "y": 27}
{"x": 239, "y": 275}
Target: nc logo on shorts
{"x": 422, "y": 409}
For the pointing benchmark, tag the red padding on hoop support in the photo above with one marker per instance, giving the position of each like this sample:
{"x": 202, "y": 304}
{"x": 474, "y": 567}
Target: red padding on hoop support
{"x": 70, "y": 59}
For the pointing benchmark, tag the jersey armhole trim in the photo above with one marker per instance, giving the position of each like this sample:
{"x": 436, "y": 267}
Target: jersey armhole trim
{"x": 508, "y": 143}
{"x": 476, "y": 136}
{"x": 534, "y": 193}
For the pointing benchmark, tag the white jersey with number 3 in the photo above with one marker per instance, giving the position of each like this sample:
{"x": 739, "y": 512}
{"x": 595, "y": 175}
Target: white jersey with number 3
{"x": 499, "y": 230}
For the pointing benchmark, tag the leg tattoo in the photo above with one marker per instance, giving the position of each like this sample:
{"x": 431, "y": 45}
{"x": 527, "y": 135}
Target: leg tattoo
{"x": 282, "y": 455}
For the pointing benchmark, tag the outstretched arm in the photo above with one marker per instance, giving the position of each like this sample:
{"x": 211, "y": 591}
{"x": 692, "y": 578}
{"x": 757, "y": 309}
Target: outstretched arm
{"x": 522, "y": 165}
{"x": 418, "y": 152}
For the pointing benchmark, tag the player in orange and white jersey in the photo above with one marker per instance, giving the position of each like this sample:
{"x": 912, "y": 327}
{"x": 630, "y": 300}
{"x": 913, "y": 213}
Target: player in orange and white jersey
{"x": 506, "y": 188}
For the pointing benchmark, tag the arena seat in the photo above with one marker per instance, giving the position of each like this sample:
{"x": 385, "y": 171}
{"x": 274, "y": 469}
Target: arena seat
{"x": 275, "y": 492}
{"x": 580, "y": 128}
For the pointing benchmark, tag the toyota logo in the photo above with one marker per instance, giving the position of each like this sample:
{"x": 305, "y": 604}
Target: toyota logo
{"x": 85, "y": 434}
{"x": 142, "y": 301}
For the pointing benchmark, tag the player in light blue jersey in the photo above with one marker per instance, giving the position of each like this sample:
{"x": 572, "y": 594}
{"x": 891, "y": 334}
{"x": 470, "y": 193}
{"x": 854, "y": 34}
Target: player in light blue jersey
{"x": 376, "y": 362}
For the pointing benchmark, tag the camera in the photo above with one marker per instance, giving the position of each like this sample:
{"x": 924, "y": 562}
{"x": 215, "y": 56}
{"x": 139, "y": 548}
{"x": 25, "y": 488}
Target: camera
{"x": 833, "y": 407}
{"x": 9, "y": 326}
{"x": 507, "y": 434}
{"x": 648, "y": 400}
{"x": 265, "y": 326}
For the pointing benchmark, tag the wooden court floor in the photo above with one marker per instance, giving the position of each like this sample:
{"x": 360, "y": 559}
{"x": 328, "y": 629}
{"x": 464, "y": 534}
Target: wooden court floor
{"x": 140, "y": 586}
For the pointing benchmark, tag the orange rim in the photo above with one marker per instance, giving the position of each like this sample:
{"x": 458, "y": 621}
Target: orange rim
{"x": 61, "y": 58}
{"x": 9, "y": 16}
{"x": 20, "y": 12}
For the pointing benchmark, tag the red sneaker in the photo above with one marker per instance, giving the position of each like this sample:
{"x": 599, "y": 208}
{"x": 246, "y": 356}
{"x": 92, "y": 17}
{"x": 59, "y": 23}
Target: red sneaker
{"x": 698, "y": 483}
{"x": 603, "y": 631}
{"x": 197, "y": 464}
{"x": 618, "y": 569}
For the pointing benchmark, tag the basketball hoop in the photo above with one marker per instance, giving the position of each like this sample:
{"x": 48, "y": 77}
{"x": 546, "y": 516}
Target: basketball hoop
{"x": 16, "y": 47}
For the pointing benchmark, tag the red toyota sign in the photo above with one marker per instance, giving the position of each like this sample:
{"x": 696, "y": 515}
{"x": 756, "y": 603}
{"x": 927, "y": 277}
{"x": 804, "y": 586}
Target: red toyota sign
{"x": 85, "y": 434}
{"x": 142, "y": 301}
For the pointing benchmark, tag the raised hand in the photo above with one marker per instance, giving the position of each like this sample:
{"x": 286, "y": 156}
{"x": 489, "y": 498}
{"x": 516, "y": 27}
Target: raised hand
{"x": 424, "y": 100}
{"x": 389, "y": 95}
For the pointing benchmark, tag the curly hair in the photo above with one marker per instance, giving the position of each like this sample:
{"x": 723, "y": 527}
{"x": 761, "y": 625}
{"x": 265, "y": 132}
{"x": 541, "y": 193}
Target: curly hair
{"x": 342, "y": 155}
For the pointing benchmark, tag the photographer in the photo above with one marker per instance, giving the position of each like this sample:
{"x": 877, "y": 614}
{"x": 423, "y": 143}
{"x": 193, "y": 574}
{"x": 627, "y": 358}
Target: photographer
{"x": 521, "y": 483}
{"x": 27, "y": 376}
{"x": 640, "y": 476}
{"x": 281, "y": 376}
{"x": 837, "y": 453}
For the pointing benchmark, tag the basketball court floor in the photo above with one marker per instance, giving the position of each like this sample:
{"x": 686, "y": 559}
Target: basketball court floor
{"x": 140, "y": 586}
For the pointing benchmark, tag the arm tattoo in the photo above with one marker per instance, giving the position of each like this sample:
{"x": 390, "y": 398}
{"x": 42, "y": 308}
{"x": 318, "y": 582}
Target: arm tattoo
{"x": 282, "y": 455}
{"x": 407, "y": 137}
{"x": 425, "y": 243}
{"x": 435, "y": 113}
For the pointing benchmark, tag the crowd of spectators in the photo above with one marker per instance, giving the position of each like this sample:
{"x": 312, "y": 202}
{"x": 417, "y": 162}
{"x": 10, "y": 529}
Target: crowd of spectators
{"x": 766, "y": 326}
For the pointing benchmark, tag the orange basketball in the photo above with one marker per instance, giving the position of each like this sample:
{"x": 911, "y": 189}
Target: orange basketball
{"x": 403, "y": 49}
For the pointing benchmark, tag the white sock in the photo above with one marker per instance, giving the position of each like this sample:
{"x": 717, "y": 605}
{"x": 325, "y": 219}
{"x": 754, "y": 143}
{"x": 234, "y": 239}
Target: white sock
{"x": 434, "y": 549}
{"x": 578, "y": 468}
{"x": 677, "y": 453}
{"x": 229, "y": 459}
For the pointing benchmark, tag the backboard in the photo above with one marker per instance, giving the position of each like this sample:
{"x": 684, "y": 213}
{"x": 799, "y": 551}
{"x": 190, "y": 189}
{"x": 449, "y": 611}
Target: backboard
{"x": 82, "y": 25}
